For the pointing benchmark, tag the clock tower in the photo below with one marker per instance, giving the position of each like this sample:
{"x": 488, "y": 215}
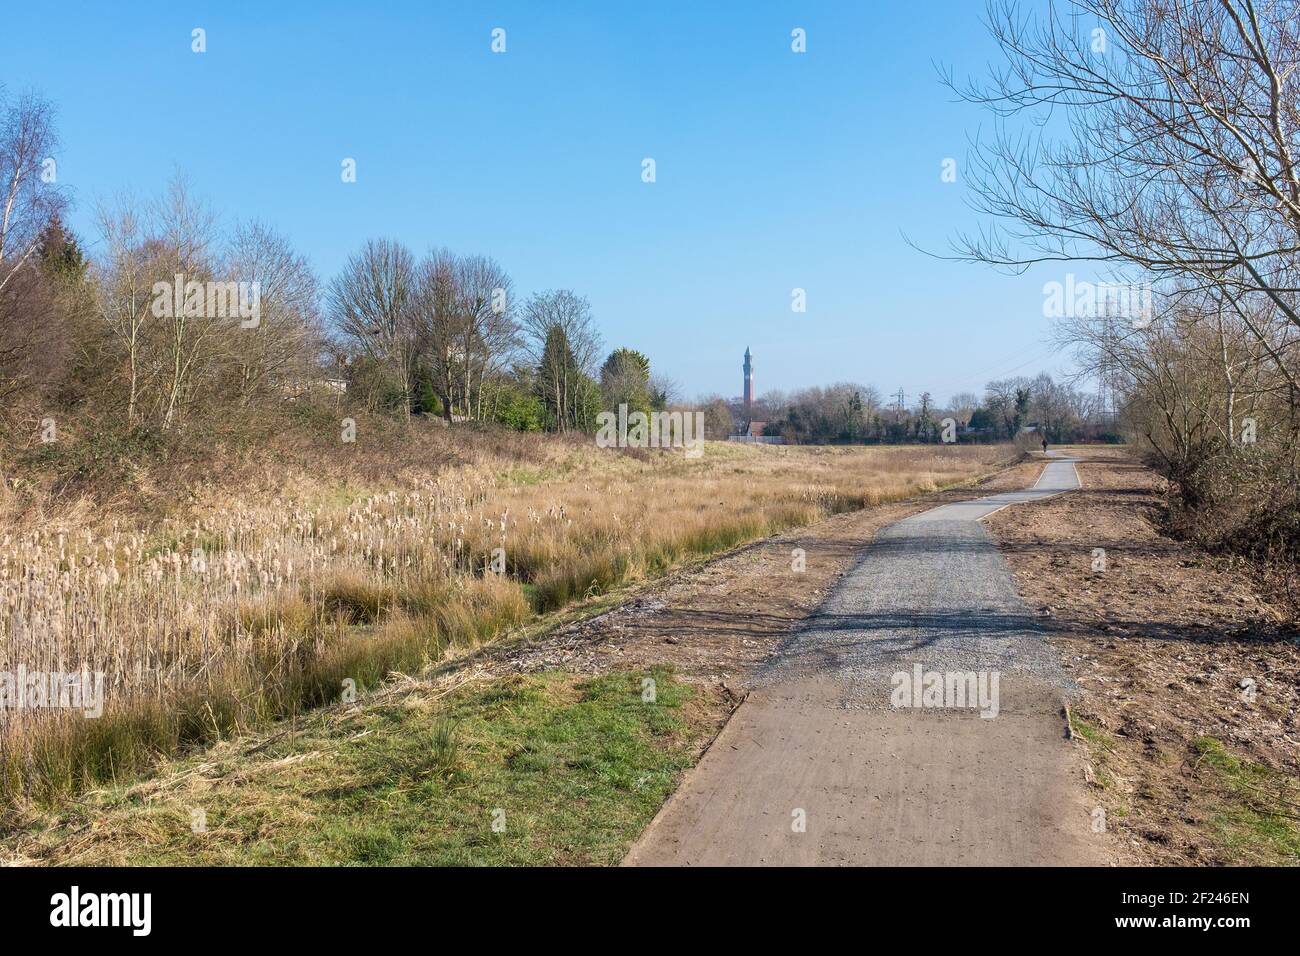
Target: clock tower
{"x": 749, "y": 388}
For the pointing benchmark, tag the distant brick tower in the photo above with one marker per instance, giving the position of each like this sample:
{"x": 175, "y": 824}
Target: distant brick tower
{"x": 749, "y": 389}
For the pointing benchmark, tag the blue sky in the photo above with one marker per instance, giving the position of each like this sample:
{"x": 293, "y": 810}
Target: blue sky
{"x": 775, "y": 170}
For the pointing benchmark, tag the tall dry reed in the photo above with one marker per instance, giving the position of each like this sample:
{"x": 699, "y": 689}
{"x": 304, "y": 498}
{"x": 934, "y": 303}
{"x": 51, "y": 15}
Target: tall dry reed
{"x": 261, "y": 607}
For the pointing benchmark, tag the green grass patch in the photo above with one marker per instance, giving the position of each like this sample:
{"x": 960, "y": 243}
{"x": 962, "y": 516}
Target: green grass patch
{"x": 1090, "y": 732}
{"x": 1259, "y": 814}
{"x": 570, "y": 769}
{"x": 1100, "y": 744}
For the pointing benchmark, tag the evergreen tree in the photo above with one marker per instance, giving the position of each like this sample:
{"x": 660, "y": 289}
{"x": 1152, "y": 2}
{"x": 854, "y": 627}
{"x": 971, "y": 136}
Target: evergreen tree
{"x": 570, "y": 396}
{"x": 1022, "y": 409}
{"x": 60, "y": 253}
{"x": 554, "y": 373}
{"x": 625, "y": 380}
{"x": 924, "y": 419}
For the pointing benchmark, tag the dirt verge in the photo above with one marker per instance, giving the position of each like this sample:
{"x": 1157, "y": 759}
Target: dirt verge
{"x": 1189, "y": 679}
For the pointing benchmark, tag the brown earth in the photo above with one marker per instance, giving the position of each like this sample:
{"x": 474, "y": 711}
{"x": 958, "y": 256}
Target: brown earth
{"x": 1189, "y": 680}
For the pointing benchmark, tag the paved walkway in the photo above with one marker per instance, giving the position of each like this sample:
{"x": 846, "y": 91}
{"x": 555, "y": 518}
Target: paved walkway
{"x": 819, "y": 766}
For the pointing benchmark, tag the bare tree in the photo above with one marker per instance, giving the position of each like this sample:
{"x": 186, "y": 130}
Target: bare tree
{"x": 565, "y": 345}
{"x": 437, "y": 319}
{"x": 29, "y": 196}
{"x": 775, "y": 402}
{"x": 1185, "y": 379}
{"x": 372, "y": 303}
{"x": 1007, "y": 399}
{"x": 184, "y": 232}
{"x": 489, "y": 335}
{"x": 664, "y": 391}
{"x": 279, "y": 351}
{"x": 718, "y": 421}
{"x": 29, "y": 201}
{"x": 1179, "y": 150}
{"x": 963, "y": 405}
{"x": 122, "y": 283}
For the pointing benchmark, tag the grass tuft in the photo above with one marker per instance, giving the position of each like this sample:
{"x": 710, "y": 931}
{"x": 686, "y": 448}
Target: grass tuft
{"x": 1259, "y": 813}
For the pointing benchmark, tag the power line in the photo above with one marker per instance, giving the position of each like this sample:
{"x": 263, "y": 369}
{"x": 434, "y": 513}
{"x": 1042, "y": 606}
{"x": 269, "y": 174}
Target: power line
{"x": 999, "y": 369}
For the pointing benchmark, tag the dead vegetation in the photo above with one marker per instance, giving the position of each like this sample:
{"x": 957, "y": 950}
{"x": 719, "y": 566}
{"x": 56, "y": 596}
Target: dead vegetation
{"x": 253, "y": 605}
{"x": 1189, "y": 679}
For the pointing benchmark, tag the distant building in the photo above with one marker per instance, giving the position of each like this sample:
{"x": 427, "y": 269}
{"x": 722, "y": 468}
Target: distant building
{"x": 300, "y": 386}
{"x": 749, "y": 390}
{"x": 748, "y": 430}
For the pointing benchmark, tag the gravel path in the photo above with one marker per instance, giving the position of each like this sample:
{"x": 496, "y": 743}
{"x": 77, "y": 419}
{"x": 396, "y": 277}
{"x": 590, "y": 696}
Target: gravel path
{"x": 931, "y": 590}
{"x": 819, "y": 766}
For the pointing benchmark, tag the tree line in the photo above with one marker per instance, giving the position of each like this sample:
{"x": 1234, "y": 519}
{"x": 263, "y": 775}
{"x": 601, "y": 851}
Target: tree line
{"x": 444, "y": 335}
{"x": 102, "y": 340}
{"x": 849, "y": 413}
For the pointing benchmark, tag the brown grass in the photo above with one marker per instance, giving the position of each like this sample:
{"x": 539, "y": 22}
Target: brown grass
{"x": 263, "y": 604}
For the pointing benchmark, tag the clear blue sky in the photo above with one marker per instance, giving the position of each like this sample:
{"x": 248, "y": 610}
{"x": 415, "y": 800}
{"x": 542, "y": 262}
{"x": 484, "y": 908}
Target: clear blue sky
{"x": 775, "y": 170}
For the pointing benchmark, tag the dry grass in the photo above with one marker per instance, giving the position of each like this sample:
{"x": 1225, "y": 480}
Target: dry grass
{"x": 262, "y": 606}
